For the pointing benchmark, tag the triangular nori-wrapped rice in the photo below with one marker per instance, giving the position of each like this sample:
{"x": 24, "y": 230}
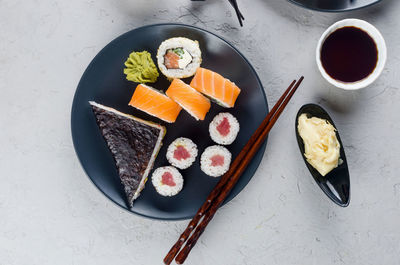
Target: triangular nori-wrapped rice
{"x": 134, "y": 144}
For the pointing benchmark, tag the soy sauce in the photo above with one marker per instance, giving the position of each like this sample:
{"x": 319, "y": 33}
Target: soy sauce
{"x": 349, "y": 54}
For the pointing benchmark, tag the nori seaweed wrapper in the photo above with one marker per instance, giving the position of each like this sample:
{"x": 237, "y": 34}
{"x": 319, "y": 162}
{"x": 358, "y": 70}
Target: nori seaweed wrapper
{"x": 131, "y": 143}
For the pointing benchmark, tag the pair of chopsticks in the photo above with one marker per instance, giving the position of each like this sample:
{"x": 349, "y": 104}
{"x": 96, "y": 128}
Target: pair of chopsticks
{"x": 228, "y": 180}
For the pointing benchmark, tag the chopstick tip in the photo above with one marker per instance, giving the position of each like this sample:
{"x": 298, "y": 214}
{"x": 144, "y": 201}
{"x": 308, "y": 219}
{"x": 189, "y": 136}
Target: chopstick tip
{"x": 167, "y": 261}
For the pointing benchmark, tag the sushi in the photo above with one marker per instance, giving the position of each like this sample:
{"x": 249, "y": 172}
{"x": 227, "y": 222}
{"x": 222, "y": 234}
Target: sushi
{"x": 215, "y": 86}
{"x": 215, "y": 160}
{"x": 167, "y": 181}
{"x": 135, "y": 152}
{"x": 189, "y": 99}
{"x": 182, "y": 153}
{"x": 155, "y": 103}
{"x": 224, "y": 128}
{"x": 178, "y": 57}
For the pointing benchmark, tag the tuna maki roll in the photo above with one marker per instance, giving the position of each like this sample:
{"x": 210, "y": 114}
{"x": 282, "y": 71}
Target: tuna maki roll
{"x": 182, "y": 153}
{"x": 178, "y": 57}
{"x": 167, "y": 181}
{"x": 215, "y": 160}
{"x": 224, "y": 128}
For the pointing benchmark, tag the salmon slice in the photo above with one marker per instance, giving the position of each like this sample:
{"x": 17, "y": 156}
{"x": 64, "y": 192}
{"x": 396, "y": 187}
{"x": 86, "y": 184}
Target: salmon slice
{"x": 155, "y": 103}
{"x": 215, "y": 86}
{"x": 189, "y": 99}
{"x": 171, "y": 60}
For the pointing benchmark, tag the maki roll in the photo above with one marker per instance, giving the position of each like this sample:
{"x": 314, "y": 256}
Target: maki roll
{"x": 178, "y": 57}
{"x": 224, "y": 128}
{"x": 215, "y": 160}
{"x": 182, "y": 153}
{"x": 167, "y": 181}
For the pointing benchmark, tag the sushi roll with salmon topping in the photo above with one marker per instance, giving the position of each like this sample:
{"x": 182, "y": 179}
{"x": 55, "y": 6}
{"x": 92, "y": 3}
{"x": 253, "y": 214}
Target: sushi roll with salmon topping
{"x": 155, "y": 103}
{"x": 224, "y": 128}
{"x": 167, "y": 181}
{"x": 215, "y": 160}
{"x": 215, "y": 86}
{"x": 189, "y": 99}
{"x": 178, "y": 57}
{"x": 182, "y": 153}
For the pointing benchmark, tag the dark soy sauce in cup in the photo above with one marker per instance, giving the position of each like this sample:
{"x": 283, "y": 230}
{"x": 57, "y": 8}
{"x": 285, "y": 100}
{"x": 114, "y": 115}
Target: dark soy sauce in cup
{"x": 349, "y": 54}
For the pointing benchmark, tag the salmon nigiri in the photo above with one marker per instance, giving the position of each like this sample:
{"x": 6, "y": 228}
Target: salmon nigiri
{"x": 153, "y": 102}
{"x": 189, "y": 99}
{"x": 215, "y": 86}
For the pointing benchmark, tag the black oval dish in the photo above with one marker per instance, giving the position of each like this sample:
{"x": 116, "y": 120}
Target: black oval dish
{"x": 334, "y": 6}
{"x": 105, "y": 83}
{"x": 336, "y": 184}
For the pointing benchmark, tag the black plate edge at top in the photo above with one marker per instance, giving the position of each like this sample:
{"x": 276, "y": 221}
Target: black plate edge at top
{"x": 340, "y": 175}
{"x": 262, "y": 148}
{"x": 333, "y": 10}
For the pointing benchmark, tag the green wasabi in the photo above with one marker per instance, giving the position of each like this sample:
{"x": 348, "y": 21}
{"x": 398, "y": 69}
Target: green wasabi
{"x": 140, "y": 68}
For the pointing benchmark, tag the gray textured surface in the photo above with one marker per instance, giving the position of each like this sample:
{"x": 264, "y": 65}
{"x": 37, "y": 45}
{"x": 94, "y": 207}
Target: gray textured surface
{"x": 50, "y": 213}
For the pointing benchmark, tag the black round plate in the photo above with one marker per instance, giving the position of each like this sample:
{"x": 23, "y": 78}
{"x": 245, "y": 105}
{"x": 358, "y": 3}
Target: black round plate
{"x": 105, "y": 83}
{"x": 334, "y": 5}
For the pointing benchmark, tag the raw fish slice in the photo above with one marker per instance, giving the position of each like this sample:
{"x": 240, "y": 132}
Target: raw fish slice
{"x": 155, "y": 103}
{"x": 188, "y": 98}
{"x": 215, "y": 86}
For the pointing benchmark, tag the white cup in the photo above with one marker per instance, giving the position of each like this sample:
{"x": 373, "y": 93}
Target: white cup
{"x": 380, "y": 45}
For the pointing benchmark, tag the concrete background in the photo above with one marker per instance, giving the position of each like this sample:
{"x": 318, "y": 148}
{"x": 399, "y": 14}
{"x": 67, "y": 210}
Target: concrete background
{"x": 50, "y": 213}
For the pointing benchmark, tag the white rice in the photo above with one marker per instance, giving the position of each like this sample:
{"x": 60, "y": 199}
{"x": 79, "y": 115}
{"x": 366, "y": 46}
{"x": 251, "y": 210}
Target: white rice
{"x": 205, "y": 161}
{"x": 163, "y": 189}
{"x": 189, "y": 146}
{"x": 216, "y": 136}
{"x": 179, "y": 42}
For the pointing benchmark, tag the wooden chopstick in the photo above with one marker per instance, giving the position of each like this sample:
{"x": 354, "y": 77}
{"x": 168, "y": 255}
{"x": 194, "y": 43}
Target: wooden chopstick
{"x": 224, "y": 179}
{"x": 170, "y": 256}
{"x": 235, "y": 177}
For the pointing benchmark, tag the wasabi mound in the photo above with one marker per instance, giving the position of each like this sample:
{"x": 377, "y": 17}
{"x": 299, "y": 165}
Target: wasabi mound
{"x": 140, "y": 68}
